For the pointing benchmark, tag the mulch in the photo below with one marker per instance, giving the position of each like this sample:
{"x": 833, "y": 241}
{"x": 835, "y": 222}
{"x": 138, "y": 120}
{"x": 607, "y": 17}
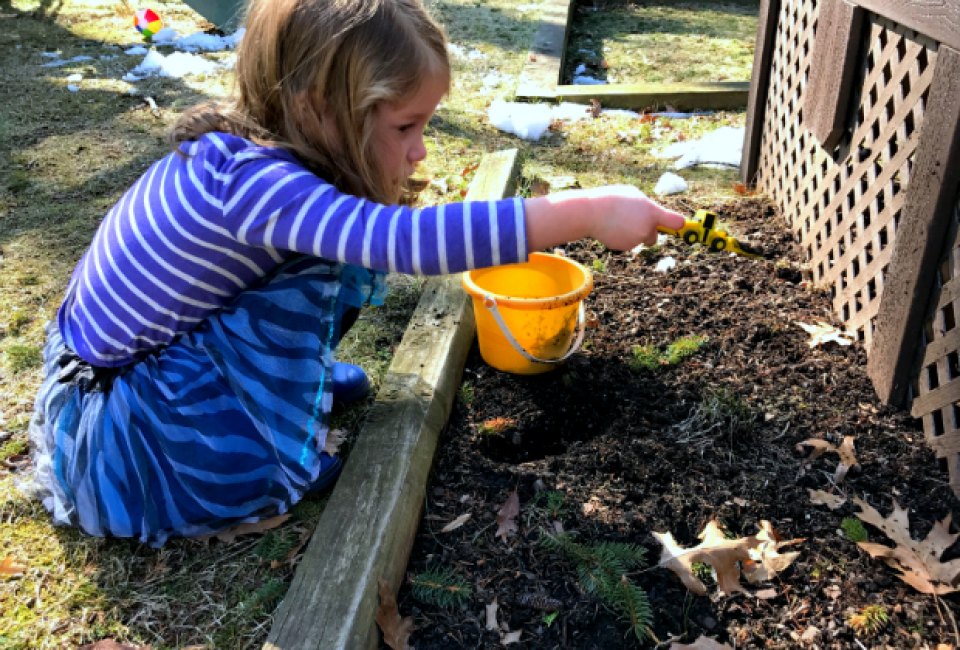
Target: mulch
{"x": 604, "y": 450}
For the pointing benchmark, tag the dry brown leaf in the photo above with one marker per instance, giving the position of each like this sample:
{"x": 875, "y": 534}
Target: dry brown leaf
{"x": 507, "y": 516}
{"x": 110, "y": 644}
{"x": 702, "y": 643}
{"x": 846, "y": 451}
{"x": 229, "y": 535}
{"x": 766, "y": 561}
{"x": 539, "y": 187}
{"x": 917, "y": 561}
{"x": 396, "y": 630}
{"x": 456, "y": 523}
{"x": 823, "y": 333}
{"x": 491, "y": 609}
{"x": 821, "y": 498}
{"x": 10, "y": 568}
{"x": 759, "y": 555}
{"x": 595, "y": 108}
{"x": 335, "y": 438}
{"x": 511, "y": 637}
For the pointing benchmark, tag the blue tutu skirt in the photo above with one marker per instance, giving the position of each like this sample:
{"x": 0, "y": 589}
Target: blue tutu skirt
{"x": 224, "y": 426}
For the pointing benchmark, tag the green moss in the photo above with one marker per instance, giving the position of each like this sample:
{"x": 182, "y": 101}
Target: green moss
{"x": 854, "y": 529}
{"x": 22, "y": 357}
{"x": 13, "y": 448}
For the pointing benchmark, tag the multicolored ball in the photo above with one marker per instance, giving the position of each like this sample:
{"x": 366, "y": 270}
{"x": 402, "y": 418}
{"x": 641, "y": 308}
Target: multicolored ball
{"x": 147, "y": 22}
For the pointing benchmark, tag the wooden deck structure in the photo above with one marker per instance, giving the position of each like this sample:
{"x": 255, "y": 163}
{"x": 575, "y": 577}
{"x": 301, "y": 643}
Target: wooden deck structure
{"x": 854, "y": 129}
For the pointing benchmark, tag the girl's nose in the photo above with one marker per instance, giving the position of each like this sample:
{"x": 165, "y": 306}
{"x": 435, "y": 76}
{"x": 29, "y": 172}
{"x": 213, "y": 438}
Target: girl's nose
{"x": 418, "y": 152}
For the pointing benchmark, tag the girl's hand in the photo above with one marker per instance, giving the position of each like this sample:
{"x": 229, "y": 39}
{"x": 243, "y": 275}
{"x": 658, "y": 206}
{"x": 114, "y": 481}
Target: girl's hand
{"x": 629, "y": 218}
{"x": 618, "y": 216}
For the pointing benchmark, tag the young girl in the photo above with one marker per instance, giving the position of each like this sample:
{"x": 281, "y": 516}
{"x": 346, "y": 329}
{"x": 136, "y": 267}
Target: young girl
{"x": 191, "y": 369}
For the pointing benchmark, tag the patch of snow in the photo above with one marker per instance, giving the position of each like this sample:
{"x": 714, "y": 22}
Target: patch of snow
{"x": 208, "y": 42}
{"x": 569, "y": 111}
{"x": 176, "y": 65}
{"x": 492, "y": 80}
{"x": 165, "y": 36}
{"x": 62, "y": 62}
{"x": 587, "y": 80}
{"x": 670, "y": 183}
{"x": 665, "y": 264}
{"x": 723, "y": 146}
{"x": 527, "y": 121}
{"x": 463, "y": 53}
{"x": 136, "y": 50}
{"x": 73, "y": 88}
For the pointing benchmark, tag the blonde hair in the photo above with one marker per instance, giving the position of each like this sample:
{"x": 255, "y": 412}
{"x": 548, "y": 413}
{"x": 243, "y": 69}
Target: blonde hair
{"x": 310, "y": 75}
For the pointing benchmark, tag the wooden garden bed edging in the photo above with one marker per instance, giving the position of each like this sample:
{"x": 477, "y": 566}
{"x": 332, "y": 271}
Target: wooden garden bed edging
{"x": 540, "y": 79}
{"x": 367, "y": 528}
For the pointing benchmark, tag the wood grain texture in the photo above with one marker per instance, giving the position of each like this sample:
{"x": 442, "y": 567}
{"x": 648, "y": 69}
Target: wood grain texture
{"x": 759, "y": 88}
{"x": 720, "y": 95}
{"x": 833, "y": 70}
{"x": 368, "y": 525}
{"x": 928, "y": 208}
{"x": 938, "y": 19}
{"x": 541, "y": 73}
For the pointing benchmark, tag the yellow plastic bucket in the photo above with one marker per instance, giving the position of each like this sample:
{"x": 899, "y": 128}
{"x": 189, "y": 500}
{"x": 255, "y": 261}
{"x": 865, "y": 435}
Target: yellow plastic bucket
{"x": 529, "y": 315}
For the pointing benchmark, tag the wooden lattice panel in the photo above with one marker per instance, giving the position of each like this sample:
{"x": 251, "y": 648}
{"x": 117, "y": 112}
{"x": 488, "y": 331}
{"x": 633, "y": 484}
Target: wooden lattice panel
{"x": 844, "y": 205}
{"x": 938, "y": 383}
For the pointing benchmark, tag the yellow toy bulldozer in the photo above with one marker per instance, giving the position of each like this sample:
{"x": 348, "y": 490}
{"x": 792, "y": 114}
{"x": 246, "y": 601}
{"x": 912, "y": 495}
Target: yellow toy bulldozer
{"x": 702, "y": 229}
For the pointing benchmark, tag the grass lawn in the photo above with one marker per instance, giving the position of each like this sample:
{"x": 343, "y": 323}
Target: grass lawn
{"x": 644, "y": 41}
{"x": 66, "y": 157}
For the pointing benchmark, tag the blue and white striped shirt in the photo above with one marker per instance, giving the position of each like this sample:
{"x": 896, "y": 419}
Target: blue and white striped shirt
{"x": 197, "y": 229}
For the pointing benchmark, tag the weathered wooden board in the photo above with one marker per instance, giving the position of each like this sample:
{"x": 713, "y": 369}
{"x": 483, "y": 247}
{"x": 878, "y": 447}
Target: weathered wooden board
{"x": 541, "y": 73}
{"x": 720, "y": 95}
{"x": 540, "y": 78}
{"x": 931, "y": 197}
{"x": 835, "y": 63}
{"x": 938, "y": 19}
{"x": 368, "y": 525}
{"x": 759, "y": 87}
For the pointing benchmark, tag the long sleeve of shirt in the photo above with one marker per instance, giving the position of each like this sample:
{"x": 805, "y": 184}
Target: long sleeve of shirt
{"x": 203, "y": 224}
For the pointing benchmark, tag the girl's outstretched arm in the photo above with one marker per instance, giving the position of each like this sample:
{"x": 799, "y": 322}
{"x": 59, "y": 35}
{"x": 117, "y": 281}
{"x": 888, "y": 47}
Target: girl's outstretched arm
{"x": 618, "y": 216}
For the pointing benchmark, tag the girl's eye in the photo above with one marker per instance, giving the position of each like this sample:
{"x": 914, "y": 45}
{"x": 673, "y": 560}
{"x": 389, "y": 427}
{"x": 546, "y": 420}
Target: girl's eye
{"x": 406, "y": 127}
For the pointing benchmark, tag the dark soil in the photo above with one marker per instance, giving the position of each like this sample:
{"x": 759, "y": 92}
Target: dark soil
{"x": 606, "y": 451}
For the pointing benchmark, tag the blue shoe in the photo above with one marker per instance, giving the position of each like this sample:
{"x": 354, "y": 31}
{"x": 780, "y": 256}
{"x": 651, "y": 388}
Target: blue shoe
{"x": 330, "y": 468}
{"x": 350, "y": 383}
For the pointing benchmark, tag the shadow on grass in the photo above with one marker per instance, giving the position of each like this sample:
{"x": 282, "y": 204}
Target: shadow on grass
{"x": 662, "y": 41}
{"x": 65, "y": 156}
{"x": 481, "y": 23}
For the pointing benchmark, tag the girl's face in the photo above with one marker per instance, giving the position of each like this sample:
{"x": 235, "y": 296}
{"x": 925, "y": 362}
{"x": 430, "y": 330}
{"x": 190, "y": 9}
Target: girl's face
{"x": 398, "y": 128}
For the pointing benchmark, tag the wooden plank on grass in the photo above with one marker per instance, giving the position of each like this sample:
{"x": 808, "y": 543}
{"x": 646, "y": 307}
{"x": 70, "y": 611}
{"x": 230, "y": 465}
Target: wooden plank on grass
{"x": 541, "y": 73}
{"x": 368, "y": 525}
{"x": 719, "y": 95}
{"x": 921, "y": 235}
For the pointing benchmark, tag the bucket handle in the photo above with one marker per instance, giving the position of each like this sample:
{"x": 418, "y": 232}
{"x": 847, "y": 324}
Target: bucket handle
{"x": 491, "y": 304}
